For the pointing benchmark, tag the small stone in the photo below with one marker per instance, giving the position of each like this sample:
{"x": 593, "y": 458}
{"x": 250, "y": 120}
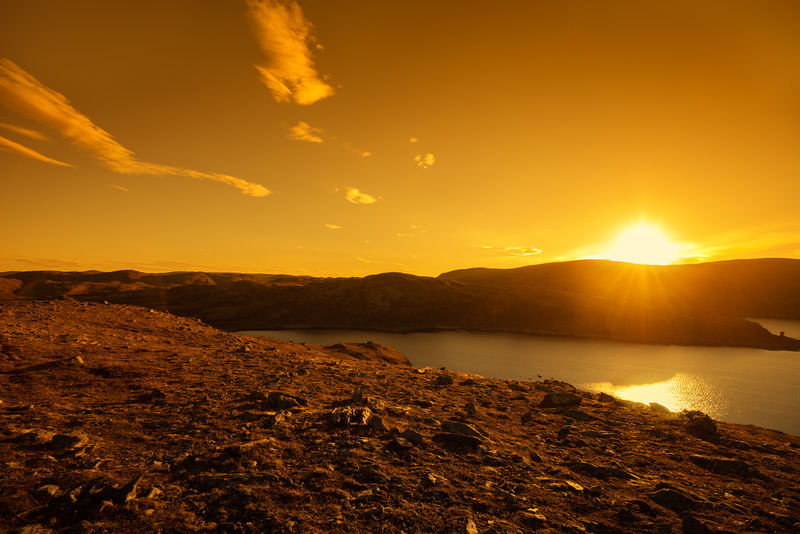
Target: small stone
{"x": 470, "y": 408}
{"x": 471, "y": 528}
{"x": 457, "y": 427}
{"x": 400, "y": 443}
{"x": 412, "y": 436}
{"x": 560, "y": 400}
{"x": 78, "y": 360}
{"x": 443, "y": 380}
{"x": 701, "y": 425}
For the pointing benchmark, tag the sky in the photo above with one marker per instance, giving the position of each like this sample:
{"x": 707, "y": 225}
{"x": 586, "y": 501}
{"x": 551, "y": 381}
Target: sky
{"x": 355, "y": 137}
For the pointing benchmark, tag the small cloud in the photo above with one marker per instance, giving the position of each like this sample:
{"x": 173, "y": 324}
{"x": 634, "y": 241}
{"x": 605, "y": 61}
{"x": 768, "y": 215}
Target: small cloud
{"x": 23, "y": 93}
{"x": 415, "y": 231}
{"x": 32, "y": 134}
{"x": 366, "y": 154}
{"x": 357, "y": 197}
{"x": 425, "y": 160}
{"x": 333, "y": 226}
{"x": 412, "y": 140}
{"x": 119, "y": 187}
{"x": 513, "y": 251}
{"x": 305, "y": 132}
{"x": 284, "y": 35}
{"x": 7, "y": 145}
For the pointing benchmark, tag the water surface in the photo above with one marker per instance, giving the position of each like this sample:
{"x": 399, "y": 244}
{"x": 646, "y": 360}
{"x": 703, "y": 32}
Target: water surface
{"x": 738, "y": 385}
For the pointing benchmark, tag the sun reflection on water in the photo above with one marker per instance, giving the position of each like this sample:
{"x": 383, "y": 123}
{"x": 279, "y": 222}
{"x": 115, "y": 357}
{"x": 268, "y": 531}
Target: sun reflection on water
{"x": 681, "y": 392}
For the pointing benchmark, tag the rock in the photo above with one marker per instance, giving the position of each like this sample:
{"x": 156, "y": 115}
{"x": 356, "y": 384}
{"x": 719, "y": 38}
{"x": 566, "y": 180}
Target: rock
{"x": 660, "y": 408}
{"x": 350, "y": 415}
{"x": 151, "y": 396}
{"x": 602, "y": 472}
{"x": 376, "y": 423}
{"x": 560, "y": 400}
{"x": 68, "y": 441}
{"x": 605, "y": 398}
{"x": 700, "y": 425}
{"x": 77, "y": 360}
{"x": 470, "y": 408}
{"x": 443, "y": 380}
{"x": 673, "y": 499}
{"x": 34, "y": 436}
{"x": 471, "y": 528}
{"x": 452, "y": 439}
{"x": 282, "y": 401}
{"x": 412, "y": 436}
{"x": 725, "y": 466}
{"x": 690, "y": 525}
{"x": 48, "y": 491}
{"x": 400, "y": 443}
{"x": 457, "y": 427}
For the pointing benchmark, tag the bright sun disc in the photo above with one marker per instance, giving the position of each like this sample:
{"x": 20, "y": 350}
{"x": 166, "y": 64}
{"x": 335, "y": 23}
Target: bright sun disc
{"x": 643, "y": 243}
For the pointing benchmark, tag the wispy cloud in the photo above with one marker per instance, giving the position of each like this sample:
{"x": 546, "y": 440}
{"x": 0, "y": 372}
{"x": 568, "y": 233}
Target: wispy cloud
{"x": 513, "y": 251}
{"x": 120, "y": 188}
{"x": 23, "y": 93}
{"x": 27, "y": 132}
{"x": 284, "y": 35}
{"x": 412, "y": 140}
{"x": 7, "y": 145}
{"x": 305, "y": 132}
{"x": 333, "y": 226}
{"x": 357, "y": 197}
{"x": 414, "y": 231}
{"x": 425, "y": 160}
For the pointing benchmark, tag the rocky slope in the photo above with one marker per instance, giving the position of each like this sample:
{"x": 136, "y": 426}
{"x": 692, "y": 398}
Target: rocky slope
{"x": 123, "y": 419}
{"x": 685, "y": 305}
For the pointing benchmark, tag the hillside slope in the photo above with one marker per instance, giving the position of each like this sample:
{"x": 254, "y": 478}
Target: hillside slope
{"x": 123, "y": 419}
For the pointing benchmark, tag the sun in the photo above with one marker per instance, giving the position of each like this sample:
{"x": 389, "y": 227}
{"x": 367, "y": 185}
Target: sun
{"x": 643, "y": 243}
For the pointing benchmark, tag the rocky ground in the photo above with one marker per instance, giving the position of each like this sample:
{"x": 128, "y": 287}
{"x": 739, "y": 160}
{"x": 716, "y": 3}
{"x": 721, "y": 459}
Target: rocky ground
{"x": 122, "y": 419}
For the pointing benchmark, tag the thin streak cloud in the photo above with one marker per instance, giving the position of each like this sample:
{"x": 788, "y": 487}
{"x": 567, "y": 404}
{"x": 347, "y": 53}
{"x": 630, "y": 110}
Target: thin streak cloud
{"x": 7, "y": 145}
{"x": 284, "y": 35}
{"x": 24, "y": 94}
{"x": 27, "y": 132}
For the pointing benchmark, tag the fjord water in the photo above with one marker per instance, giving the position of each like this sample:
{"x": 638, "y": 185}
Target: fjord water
{"x": 738, "y": 385}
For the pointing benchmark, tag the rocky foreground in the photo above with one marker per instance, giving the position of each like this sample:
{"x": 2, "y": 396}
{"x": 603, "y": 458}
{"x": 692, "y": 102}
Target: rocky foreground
{"x": 123, "y": 419}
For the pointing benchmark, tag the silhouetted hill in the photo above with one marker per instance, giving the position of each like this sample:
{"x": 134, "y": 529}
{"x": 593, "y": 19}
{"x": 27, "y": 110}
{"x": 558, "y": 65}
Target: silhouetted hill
{"x": 741, "y": 288}
{"x": 689, "y": 305}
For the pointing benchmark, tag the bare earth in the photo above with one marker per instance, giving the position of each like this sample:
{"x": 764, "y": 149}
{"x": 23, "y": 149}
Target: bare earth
{"x": 122, "y": 419}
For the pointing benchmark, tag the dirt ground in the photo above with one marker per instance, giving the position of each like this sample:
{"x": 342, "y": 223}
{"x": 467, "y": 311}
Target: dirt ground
{"x": 122, "y": 419}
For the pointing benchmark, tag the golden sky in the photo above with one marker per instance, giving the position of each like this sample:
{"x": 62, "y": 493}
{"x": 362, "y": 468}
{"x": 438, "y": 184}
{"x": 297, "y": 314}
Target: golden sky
{"x": 356, "y": 137}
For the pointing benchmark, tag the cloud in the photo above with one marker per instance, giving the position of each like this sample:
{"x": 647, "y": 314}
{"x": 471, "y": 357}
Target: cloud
{"x": 412, "y": 139}
{"x": 425, "y": 160}
{"x": 333, "y": 226}
{"x": 123, "y": 189}
{"x": 305, "y": 132}
{"x": 23, "y": 93}
{"x": 33, "y": 134}
{"x": 357, "y": 197}
{"x": 284, "y": 35}
{"x": 513, "y": 251}
{"x": 7, "y": 145}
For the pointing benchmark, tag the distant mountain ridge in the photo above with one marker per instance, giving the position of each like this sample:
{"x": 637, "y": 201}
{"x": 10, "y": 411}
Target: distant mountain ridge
{"x": 702, "y": 304}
